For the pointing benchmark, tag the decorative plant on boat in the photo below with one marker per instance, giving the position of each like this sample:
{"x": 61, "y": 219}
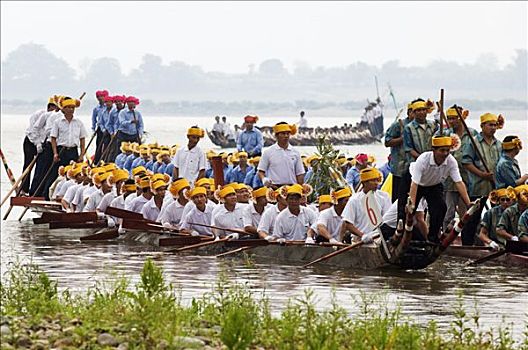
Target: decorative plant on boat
{"x": 326, "y": 174}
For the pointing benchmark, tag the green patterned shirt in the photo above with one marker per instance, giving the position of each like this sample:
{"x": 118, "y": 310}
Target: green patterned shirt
{"x": 478, "y": 186}
{"x": 509, "y": 220}
{"x": 490, "y": 220}
{"x": 417, "y": 137}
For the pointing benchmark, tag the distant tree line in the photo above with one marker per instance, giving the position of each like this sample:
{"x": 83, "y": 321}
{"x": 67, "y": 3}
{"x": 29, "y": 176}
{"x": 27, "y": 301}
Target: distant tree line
{"x": 31, "y": 72}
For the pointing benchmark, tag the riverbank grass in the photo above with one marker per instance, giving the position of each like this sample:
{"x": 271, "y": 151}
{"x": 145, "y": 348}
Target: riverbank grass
{"x": 150, "y": 315}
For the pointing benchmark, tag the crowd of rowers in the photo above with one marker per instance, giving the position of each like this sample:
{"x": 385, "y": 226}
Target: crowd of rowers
{"x": 427, "y": 167}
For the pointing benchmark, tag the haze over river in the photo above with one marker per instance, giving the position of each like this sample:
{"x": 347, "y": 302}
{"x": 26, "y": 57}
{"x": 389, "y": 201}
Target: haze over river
{"x": 501, "y": 293}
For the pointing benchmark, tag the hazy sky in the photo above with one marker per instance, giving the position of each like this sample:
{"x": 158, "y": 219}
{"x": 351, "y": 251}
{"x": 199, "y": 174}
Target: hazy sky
{"x": 229, "y": 36}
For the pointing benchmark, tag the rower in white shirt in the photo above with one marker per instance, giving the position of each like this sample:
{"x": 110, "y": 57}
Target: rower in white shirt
{"x": 428, "y": 173}
{"x": 137, "y": 203}
{"x": 201, "y": 214}
{"x": 356, "y": 219}
{"x": 76, "y": 175}
{"x": 328, "y": 225}
{"x": 280, "y": 164}
{"x": 267, "y": 220}
{"x": 254, "y": 211}
{"x": 115, "y": 180}
{"x": 171, "y": 214}
{"x": 228, "y": 214}
{"x": 128, "y": 188}
{"x": 158, "y": 186}
{"x": 294, "y": 222}
{"x": 103, "y": 187}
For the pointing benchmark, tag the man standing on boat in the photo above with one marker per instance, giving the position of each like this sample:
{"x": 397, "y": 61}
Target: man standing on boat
{"x": 113, "y": 127}
{"x": 303, "y": 123}
{"x": 35, "y": 135}
{"x": 428, "y": 173}
{"x": 189, "y": 161}
{"x": 250, "y": 140}
{"x": 280, "y": 164}
{"x": 103, "y": 119}
{"x": 508, "y": 170}
{"x": 394, "y": 140}
{"x": 67, "y": 135}
{"x": 218, "y": 128}
{"x": 130, "y": 122}
{"x": 97, "y": 126}
{"x": 481, "y": 181}
{"x": 416, "y": 140}
{"x": 452, "y": 197}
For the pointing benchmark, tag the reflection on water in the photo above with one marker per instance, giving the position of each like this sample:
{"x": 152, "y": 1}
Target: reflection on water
{"x": 425, "y": 295}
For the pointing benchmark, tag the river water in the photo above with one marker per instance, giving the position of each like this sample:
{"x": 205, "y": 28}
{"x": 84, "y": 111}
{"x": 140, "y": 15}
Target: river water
{"x": 501, "y": 293}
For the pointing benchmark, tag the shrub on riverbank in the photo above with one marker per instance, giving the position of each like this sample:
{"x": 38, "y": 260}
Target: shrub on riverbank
{"x": 150, "y": 315}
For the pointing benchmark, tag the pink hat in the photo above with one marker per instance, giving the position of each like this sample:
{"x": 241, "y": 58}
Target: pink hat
{"x": 101, "y": 93}
{"x": 132, "y": 99}
{"x": 362, "y": 158}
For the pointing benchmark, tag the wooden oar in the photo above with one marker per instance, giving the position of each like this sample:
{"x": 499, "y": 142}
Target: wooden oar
{"x": 234, "y": 251}
{"x": 101, "y": 235}
{"x": 24, "y": 175}
{"x": 340, "y": 251}
{"x": 20, "y": 179}
{"x": 8, "y": 171}
{"x": 487, "y": 258}
{"x": 242, "y": 232}
{"x": 42, "y": 182}
{"x": 107, "y": 150}
{"x": 199, "y": 245}
{"x": 123, "y": 214}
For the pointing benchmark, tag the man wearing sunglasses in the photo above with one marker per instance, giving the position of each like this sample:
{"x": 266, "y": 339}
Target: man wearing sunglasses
{"x": 488, "y": 225}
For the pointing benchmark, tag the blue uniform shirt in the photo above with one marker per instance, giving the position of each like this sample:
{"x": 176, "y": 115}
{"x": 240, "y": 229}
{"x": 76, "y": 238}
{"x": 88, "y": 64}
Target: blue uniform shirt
{"x": 250, "y": 141}
{"x": 155, "y": 166}
{"x": 95, "y": 113}
{"x": 507, "y": 172}
{"x": 103, "y": 119}
{"x": 352, "y": 177}
{"x": 138, "y": 162}
{"x": 237, "y": 175}
{"x": 113, "y": 121}
{"x": 149, "y": 165}
{"x": 120, "y": 160}
{"x": 169, "y": 169}
{"x": 128, "y": 162}
{"x": 126, "y": 126}
{"x": 209, "y": 173}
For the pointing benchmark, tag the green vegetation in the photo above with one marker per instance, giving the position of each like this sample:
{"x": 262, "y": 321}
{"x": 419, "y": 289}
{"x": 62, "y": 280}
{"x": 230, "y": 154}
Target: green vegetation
{"x": 150, "y": 315}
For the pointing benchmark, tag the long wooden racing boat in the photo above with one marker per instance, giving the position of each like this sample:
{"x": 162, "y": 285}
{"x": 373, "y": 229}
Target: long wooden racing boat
{"x": 509, "y": 259}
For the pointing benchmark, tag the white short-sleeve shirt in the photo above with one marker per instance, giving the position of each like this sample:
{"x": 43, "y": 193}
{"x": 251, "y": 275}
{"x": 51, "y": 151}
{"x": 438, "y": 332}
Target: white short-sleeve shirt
{"x": 150, "y": 210}
{"x": 171, "y": 213}
{"x": 293, "y": 227}
{"x": 267, "y": 221}
{"x": 281, "y": 165}
{"x": 94, "y": 200}
{"x": 196, "y": 216}
{"x": 136, "y": 204}
{"x": 355, "y": 214}
{"x": 105, "y": 202}
{"x": 228, "y": 219}
{"x": 62, "y": 190}
{"x": 68, "y": 133}
{"x": 70, "y": 193}
{"x": 425, "y": 172}
{"x": 331, "y": 220}
{"x": 189, "y": 162}
{"x": 251, "y": 216}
